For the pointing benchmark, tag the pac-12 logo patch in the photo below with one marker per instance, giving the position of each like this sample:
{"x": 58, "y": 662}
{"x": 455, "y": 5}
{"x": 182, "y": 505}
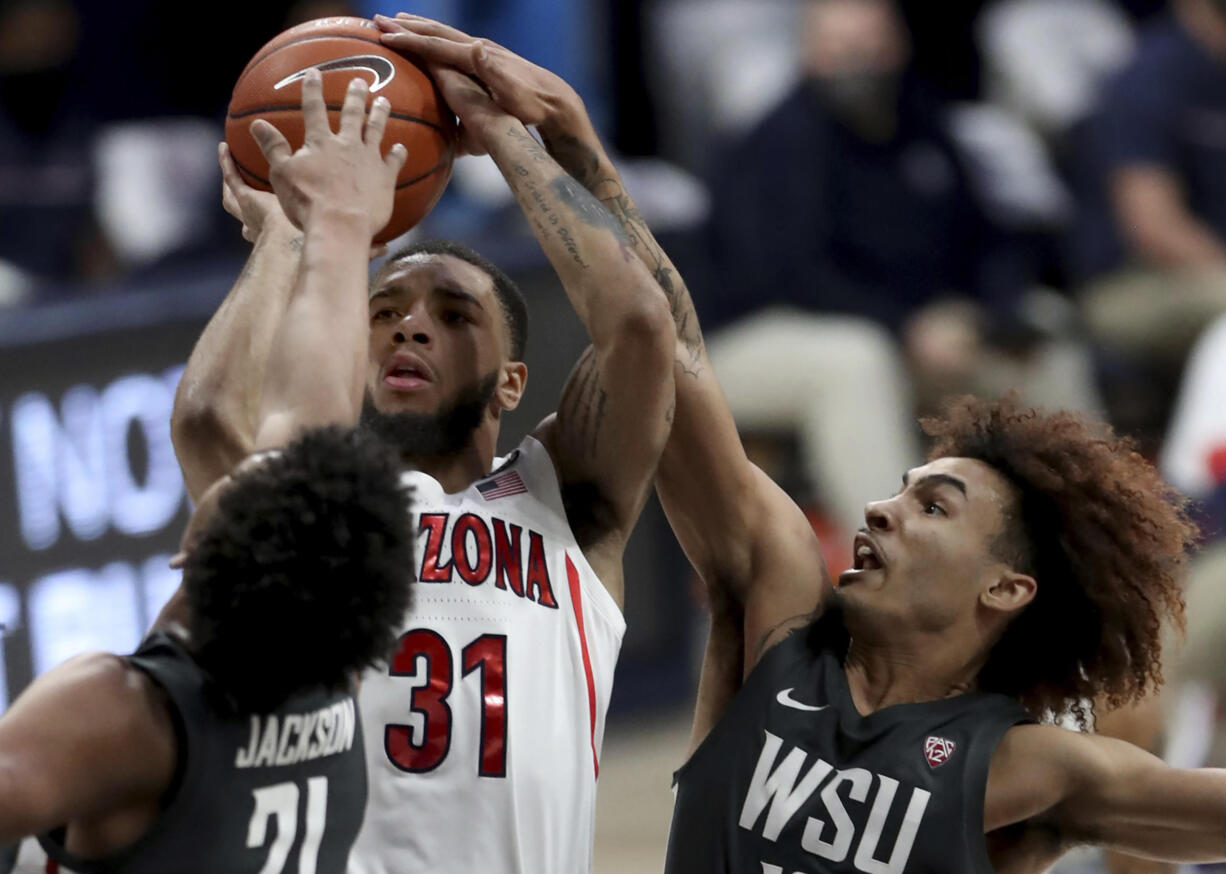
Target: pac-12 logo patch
{"x": 937, "y": 750}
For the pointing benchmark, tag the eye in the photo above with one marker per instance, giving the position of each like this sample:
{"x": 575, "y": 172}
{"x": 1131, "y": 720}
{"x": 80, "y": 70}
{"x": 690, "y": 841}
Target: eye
{"x": 455, "y": 317}
{"x": 932, "y": 508}
{"x": 383, "y": 315}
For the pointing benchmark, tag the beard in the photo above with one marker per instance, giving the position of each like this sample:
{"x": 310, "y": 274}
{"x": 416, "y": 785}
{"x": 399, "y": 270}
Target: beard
{"x": 444, "y": 432}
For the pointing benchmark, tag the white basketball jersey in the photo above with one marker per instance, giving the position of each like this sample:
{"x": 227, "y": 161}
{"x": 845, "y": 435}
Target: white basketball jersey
{"x": 483, "y": 735}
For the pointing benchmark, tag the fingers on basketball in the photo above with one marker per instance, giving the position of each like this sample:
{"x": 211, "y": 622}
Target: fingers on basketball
{"x": 314, "y": 112}
{"x": 272, "y": 143}
{"x": 376, "y": 122}
{"x": 270, "y": 88}
{"x": 353, "y": 109}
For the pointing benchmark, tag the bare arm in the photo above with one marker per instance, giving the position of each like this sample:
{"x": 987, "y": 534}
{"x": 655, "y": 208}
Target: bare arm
{"x": 217, "y": 405}
{"x": 1152, "y": 211}
{"x": 1103, "y": 791}
{"x": 216, "y": 411}
{"x": 613, "y": 417}
{"x": 742, "y": 533}
{"x": 58, "y": 766}
{"x": 339, "y": 189}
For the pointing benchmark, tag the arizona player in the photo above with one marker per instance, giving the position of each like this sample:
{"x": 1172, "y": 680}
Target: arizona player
{"x": 230, "y": 740}
{"x": 483, "y": 736}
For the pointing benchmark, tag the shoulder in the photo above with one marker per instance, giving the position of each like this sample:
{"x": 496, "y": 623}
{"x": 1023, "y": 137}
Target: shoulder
{"x": 93, "y": 732}
{"x": 126, "y": 705}
{"x": 1035, "y": 768}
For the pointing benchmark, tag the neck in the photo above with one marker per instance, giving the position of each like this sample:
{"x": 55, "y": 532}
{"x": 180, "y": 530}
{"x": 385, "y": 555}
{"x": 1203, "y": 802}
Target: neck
{"x": 456, "y": 471}
{"x": 880, "y": 675}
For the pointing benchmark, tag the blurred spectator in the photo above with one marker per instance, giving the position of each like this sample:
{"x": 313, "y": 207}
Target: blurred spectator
{"x": 850, "y": 199}
{"x": 46, "y": 180}
{"x": 1046, "y": 59}
{"x": 1151, "y": 243}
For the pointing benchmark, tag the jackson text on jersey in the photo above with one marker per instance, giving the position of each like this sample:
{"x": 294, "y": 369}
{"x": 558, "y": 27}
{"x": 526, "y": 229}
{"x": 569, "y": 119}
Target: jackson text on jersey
{"x": 299, "y": 737}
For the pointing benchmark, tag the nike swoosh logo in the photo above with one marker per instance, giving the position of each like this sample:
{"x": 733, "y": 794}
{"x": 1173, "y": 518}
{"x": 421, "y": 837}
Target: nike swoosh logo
{"x": 377, "y": 65}
{"x": 785, "y": 698}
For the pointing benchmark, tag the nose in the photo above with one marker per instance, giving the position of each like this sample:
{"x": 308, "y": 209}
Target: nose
{"x": 879, "y": 515}
{"x": 412, "y": 327}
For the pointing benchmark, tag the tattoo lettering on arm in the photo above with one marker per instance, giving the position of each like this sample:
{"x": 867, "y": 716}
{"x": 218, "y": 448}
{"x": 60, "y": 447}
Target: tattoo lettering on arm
{"x": 589, "y": 211}
{"x": 582, "y": 405}
{"x": 545, "y": 216}
{"x": 530, "y": 144}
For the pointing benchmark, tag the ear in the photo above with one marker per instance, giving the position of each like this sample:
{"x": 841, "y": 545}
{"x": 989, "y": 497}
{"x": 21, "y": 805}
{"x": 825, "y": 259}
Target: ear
{"x": 1010, "y": 592}
{"x": 511, "y": 385}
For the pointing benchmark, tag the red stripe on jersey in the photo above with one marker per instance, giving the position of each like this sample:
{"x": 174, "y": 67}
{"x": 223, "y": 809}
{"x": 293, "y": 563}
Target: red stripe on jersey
{"x": 53, "y": 867}
{"x": 572, "y": 577}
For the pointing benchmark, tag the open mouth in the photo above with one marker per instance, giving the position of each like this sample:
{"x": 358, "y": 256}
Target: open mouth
{"x": 406, "y": 374}
{"x": 866, "y": 557}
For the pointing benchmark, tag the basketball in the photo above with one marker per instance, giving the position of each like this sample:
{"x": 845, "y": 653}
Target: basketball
{"x": 270, "y": 87}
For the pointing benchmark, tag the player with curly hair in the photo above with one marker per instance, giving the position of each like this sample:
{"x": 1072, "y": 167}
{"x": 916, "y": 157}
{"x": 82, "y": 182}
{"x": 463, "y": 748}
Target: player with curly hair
{"x": 889, "y": 720}
{"x": 903, "y": 719}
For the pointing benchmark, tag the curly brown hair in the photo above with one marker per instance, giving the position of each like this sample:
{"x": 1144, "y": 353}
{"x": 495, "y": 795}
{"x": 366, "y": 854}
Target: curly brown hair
{"x": 1103, "y": 535}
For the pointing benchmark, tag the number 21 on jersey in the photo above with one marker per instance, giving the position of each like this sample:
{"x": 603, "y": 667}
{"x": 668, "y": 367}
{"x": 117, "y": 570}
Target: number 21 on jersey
{"x": 418, "y": 751}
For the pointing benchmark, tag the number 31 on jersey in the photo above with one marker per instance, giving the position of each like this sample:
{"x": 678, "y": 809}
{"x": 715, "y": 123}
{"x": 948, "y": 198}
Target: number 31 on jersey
{"x": 418, "y": 750}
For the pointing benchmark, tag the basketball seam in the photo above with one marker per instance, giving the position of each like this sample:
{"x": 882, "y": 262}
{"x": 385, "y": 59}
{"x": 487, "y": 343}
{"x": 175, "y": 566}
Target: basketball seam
{"x": 405, "y": 184}
{"x": 290, "y": 107}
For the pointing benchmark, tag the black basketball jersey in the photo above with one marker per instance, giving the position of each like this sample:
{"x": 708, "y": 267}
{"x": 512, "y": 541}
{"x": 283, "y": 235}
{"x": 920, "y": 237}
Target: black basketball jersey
{"x": 792, "y": 779}
{"x": 255, "y": 794}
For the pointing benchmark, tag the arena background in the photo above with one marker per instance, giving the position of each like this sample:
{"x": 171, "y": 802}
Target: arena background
{"x": 114, "y": 251}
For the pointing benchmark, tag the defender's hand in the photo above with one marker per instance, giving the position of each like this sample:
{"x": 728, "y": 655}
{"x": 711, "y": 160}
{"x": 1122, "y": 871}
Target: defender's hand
{"x": 478, "y": 113}
{"x": 530, "y": 93}
{"x": 339, "y": 173}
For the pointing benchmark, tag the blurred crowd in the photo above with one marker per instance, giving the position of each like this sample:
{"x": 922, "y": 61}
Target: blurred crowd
{"x": 876, "y": 202}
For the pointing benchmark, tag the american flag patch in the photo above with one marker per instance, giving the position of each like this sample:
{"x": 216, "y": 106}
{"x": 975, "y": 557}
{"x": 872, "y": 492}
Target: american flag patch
{"x": 502, "y": 486}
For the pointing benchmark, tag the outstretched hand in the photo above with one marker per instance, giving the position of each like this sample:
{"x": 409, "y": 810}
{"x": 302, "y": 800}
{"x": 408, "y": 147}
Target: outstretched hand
{"x": 256, "y": 209}
{"x": 520, "y": 88}
{"x": 341, "y": 172}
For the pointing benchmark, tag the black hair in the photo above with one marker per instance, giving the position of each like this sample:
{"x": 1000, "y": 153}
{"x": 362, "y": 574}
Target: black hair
{"x": 510, "y": 298}
{"x": 302, "y": 576}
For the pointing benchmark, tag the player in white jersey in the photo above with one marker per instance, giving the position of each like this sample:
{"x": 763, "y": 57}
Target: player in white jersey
{"x": 483, "y": 737}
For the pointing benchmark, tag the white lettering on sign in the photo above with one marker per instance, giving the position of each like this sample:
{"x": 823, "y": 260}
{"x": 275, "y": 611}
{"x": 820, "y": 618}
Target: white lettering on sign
{"x": 73, "y": 464}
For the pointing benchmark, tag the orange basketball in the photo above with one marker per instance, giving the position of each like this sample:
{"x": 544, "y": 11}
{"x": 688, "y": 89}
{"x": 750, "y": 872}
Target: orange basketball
{"x": 270, "y": 87}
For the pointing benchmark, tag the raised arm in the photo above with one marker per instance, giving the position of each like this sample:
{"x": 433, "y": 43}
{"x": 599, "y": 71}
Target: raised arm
{"x": 613, "y": 417}
{"x": 1091, "y": 789}
{"x": 217, "y": 405}
{"x": 741, "y": 532}
{"x": 216, "y": 408}
{"x": 339, "y": 189}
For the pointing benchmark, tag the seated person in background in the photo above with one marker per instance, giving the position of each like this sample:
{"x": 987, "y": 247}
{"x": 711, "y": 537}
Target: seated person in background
{"x": 239, "y": 709}
{"x": 1151, "y": 243}
{"x": 850, "y": 202}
